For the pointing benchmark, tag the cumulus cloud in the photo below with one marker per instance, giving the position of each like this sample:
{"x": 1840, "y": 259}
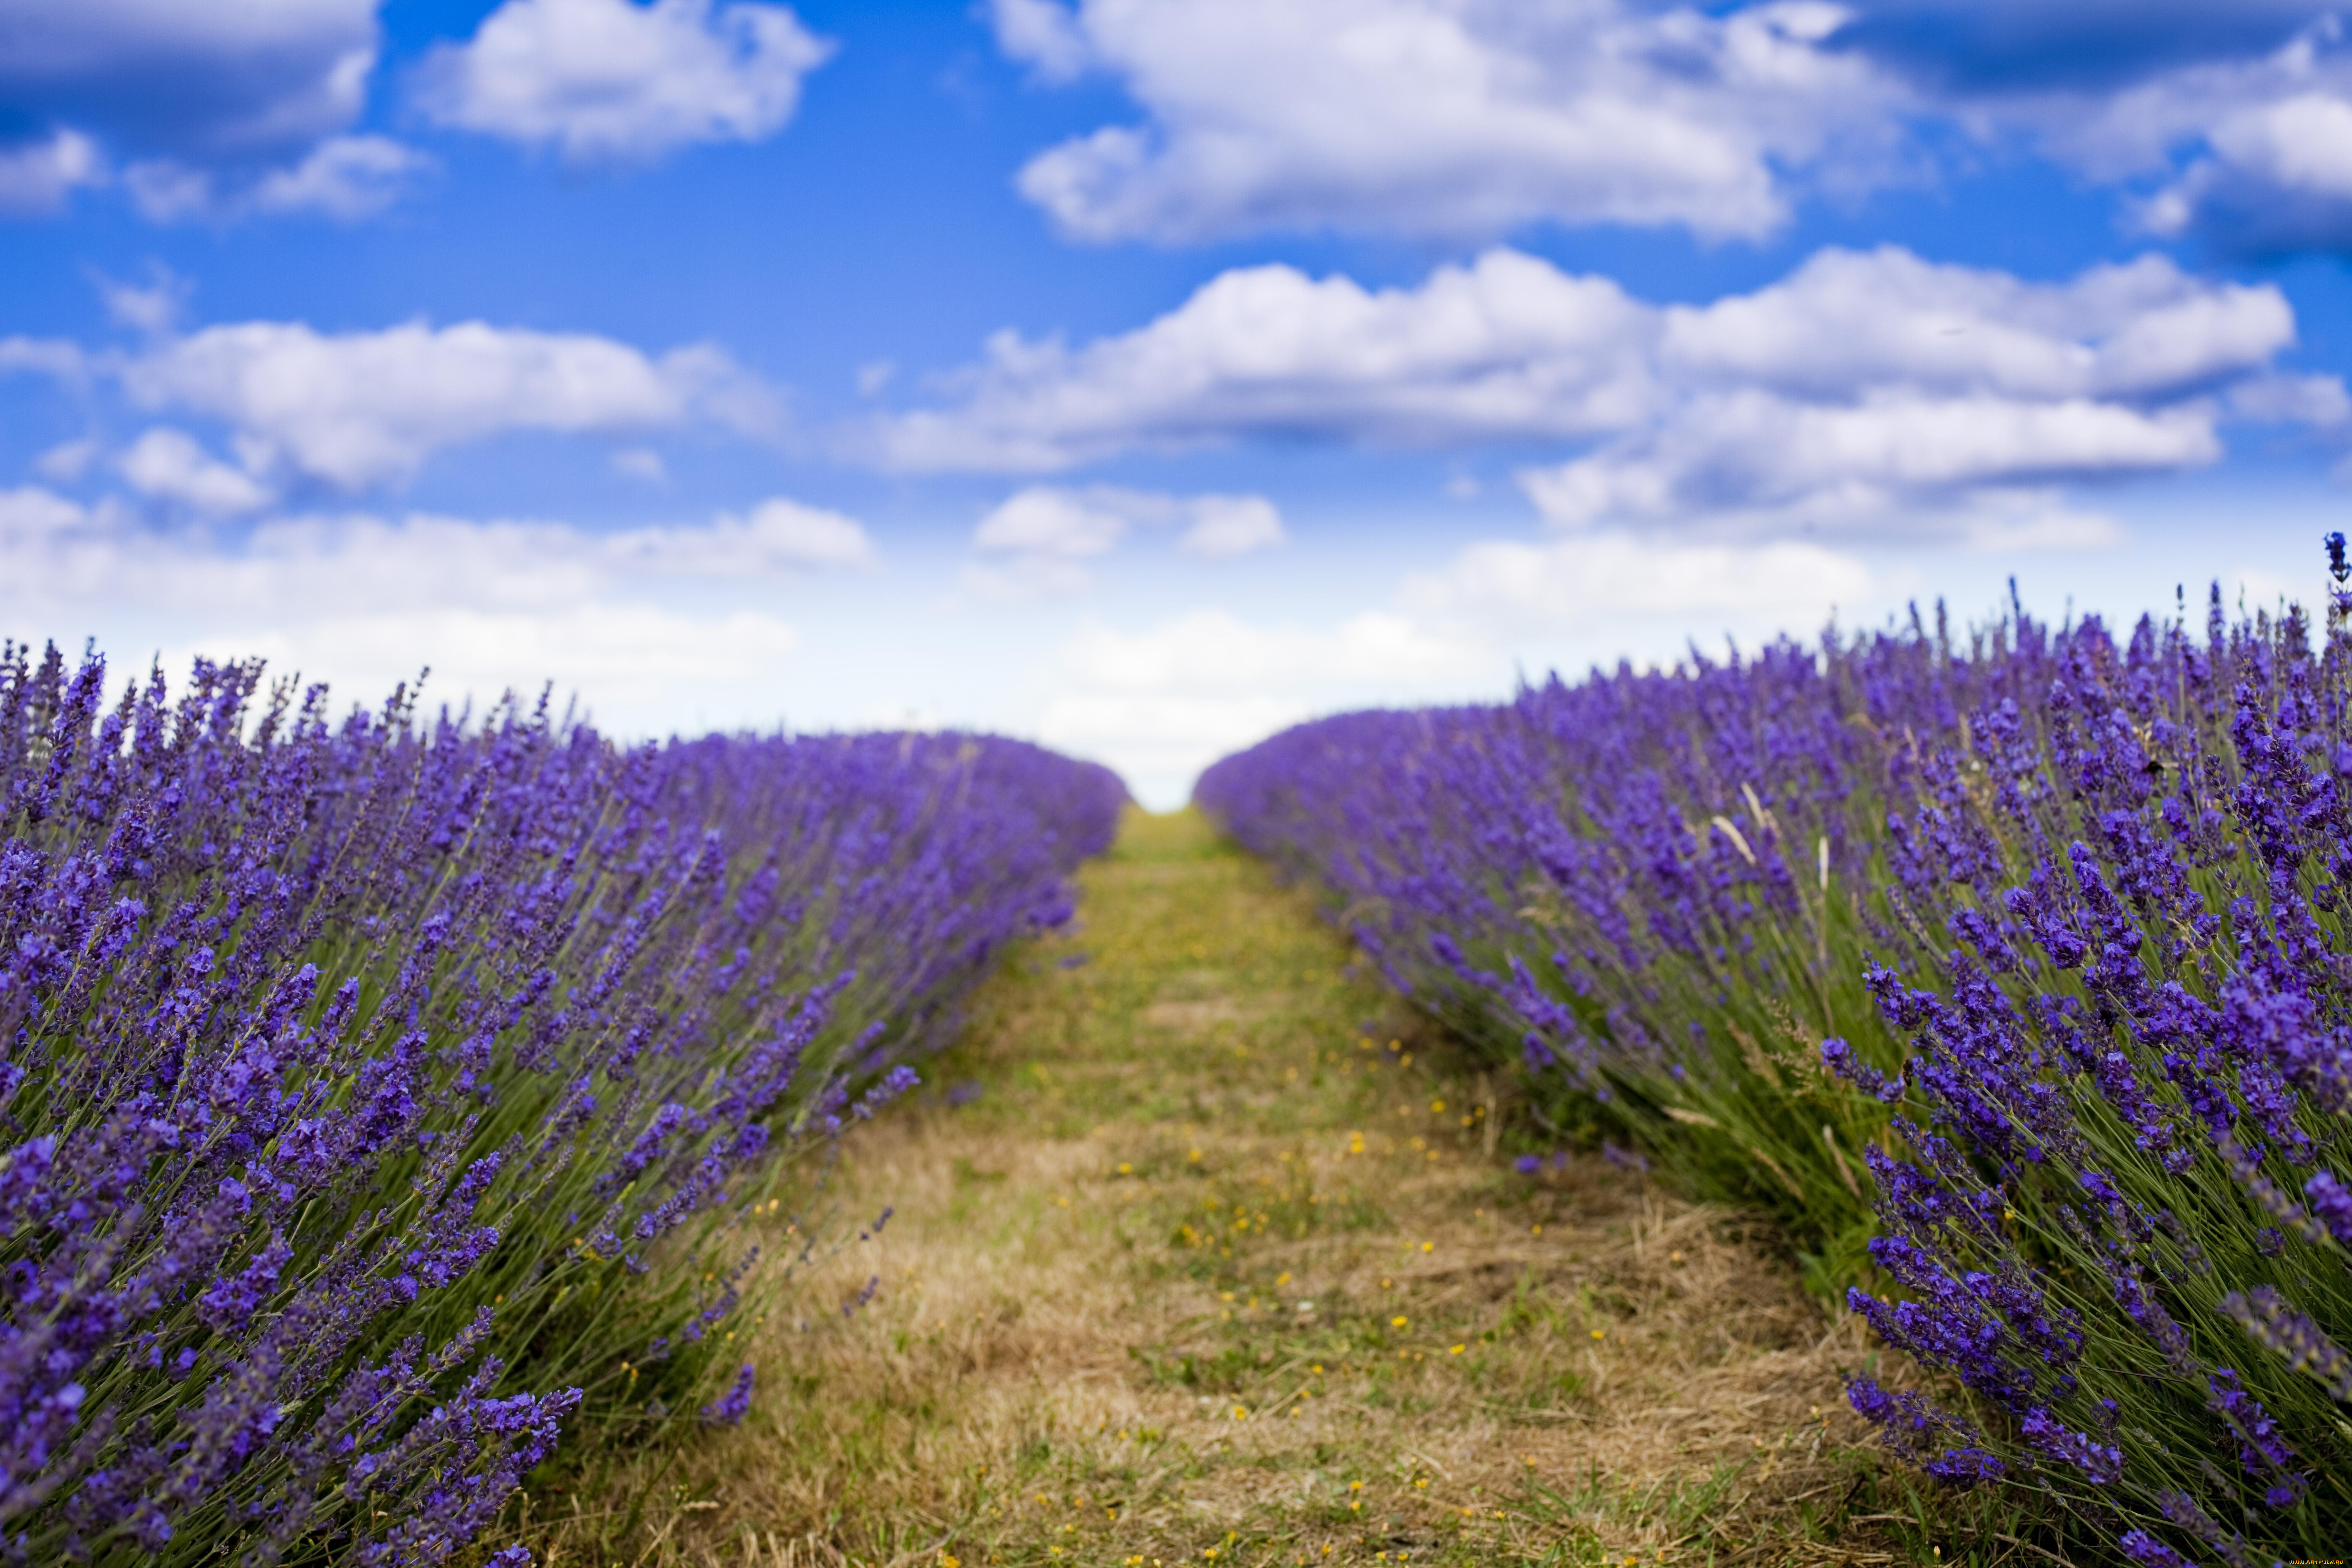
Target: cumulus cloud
{"x": 2277, "y": 178}
{"x": 1871, "y": 386}
{"x": 777, "y": 535}
{"x": 1042, "y": 520}
{"x": 1224, "y": 527}
{"x": 1036, "y": 539}
{"x": 359, "y": 409}
{"x": 344, "y": 177}
{"x": 1563, "y": 592}
{"x": 1447, "y": 117}
{"x": 1474, "y": 117}
{"x": 167, "y": 465}
{"x": 152, "y": 307}
{"x": 1035, "y": 544}
{"x": 2237, "y": 113}
{"x": 68, "y": 460}
{"x": 616, "y": 81}
{"x": 347, "y": 177}
{"x": 194, "y": 82}
{"x": 30, "y": 515}
{"x": 640, "y": 463}
{"x": 1865, "y": 387}
{"x": 38, "y": 175}
{"x": 1505, "y": 347}
{"x": 54, "y": 357}
{"x": 651, "y": 625}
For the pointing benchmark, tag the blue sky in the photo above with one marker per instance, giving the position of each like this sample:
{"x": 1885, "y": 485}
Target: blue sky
{"x": 1142, "y": 375}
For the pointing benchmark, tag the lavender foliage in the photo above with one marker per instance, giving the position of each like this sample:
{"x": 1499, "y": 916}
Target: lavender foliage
{"x": 382, "y": 1097}
{"x": 2015, "y": 973}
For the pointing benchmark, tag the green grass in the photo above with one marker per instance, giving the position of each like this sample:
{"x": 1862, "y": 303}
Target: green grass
{"x": 1228, "y": 1264}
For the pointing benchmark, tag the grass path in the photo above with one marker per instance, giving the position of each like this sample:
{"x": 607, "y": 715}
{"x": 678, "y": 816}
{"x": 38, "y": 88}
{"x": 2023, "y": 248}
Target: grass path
{"x": 1225, "y": 1264}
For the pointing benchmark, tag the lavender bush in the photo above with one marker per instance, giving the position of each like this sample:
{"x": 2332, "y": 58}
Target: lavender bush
{"x": 383, "y": 1096}
{"x": 2060, "y": 921}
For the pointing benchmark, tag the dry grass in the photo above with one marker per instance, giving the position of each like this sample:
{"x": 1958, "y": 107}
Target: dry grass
{"x": 1212, "y": 1270}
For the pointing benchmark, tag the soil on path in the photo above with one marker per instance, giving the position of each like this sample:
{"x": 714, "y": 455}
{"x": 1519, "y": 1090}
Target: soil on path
{"x": 1200, "y": 1254}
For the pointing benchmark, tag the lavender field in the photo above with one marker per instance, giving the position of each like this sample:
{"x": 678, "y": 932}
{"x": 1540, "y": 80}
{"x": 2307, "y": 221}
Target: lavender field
{"x": 1118, "y": 783}
{"x": 2006, "y": 967}
{"x": 401, "y": 1106}
{"x": 387, "y": 1093}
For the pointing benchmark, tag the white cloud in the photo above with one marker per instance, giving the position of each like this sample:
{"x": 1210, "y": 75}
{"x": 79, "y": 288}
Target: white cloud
{"x": 68, "y": 460}
{"x": 1452, "y": 117}
{"x": 777, "y": 535}
{"x": 1045, "y": 34}
{"x": 347, "y": 178}
{"x": 42, "y": 356}
{"x": 153, "y": 308}
{"x": 2240, "y": 112}
{"x": 1585, "y": 590}
{"x": 1847, "y": 320}
{"x": 210, "y": 101}
{"x": 1865, "y": 387}
{"x": 640, "y": 463}
{"x": 1042, "y": 520}
{"x": 32, "y": 516}
{"x": 1224, "y": 527}
{"x": 1751, "y": 453}
{"x": 1036, "y": 539}
{"x": 358, "y": 409}
{"x": 613, "y": 81}
{"x": 36, "y": 177}
{"x": 2277, "y": 177}
{"x": 2315, "y": 400}
{"x": 187, "y": 81}
{"x": 1507, "y": 347}
{"x": 167, "y": 465}
{"x": 634, "y": 667}
{"x": 1870, "y": 386}
{"x": 1035, "y": 544}
{"x": 652, "y": 626}
{"x": 1474, "y": 117}
{"x": 165, "y": 190}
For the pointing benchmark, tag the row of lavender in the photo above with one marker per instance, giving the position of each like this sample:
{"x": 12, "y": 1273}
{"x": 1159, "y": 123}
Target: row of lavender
{"x": 382, "y": 1094}
{"x": 2015, "y": 976}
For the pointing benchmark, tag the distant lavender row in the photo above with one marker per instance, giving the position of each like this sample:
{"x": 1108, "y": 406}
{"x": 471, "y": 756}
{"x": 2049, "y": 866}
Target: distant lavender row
{"x": 2016, "y": 977}
{"x": 381, "y": 1096}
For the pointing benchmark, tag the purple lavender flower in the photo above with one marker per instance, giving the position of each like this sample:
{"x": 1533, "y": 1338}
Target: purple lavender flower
{"x": 2101, "y": 1463}
{"x": 1838, "y": 1057}
{"x": 2143, "y": 1548}
{"x": 319, "y": 1034}
{"x": 2260, "y": 1450}
{"x": 730, "y": 1408}
{"x": 2271, "y": 1321}
{"x": 2095, "y": 886}
{"x": 2331, "y": 1200}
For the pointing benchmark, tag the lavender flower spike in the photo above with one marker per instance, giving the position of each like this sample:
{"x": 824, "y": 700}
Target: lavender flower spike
{"x": 2143, "y": 1548}
{"x": 2263, "y": 1314}
{"x": 730, "y": 1408}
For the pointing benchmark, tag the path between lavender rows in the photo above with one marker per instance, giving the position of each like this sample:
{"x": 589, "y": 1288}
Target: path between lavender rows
{"x": 1204, "y": 1252}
